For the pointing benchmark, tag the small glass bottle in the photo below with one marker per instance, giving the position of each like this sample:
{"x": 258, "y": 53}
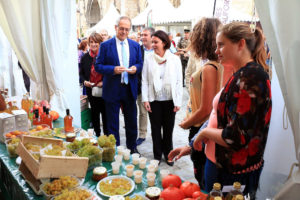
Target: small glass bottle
{"x": 43, "y": 115}
{"x": 218, "y": 198}
{"x": 215, "y": 192}
{"x": 24, "y": 103}
{"x": 36, "y": 120}
{"x": 239, "y": 197}
{"x": 68, "y": 122}
{"x": 14, "y": 105}
{"x": 48, "y": 119}
{"x": 236, "y": 190}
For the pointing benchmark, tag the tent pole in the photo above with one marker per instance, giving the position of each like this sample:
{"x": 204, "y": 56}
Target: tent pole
{"x": 214, "y": 8}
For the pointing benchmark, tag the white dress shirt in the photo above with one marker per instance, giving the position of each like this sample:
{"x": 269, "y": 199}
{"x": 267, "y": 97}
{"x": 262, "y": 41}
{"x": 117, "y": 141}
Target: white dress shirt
{"x": 119, "y": 49}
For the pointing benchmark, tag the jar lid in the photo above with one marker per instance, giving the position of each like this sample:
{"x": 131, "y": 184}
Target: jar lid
{"x": 99, "y": 170}
{"x": 153, "y": 191}
{"x": 71, "y": 135}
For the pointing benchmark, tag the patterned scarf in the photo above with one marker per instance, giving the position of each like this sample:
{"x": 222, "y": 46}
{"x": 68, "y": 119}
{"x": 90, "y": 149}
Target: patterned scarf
{"x": 95, "y": 77}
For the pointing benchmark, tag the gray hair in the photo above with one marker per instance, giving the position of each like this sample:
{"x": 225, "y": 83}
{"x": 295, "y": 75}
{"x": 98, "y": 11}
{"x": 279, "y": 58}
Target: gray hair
{"x": 150, "y": 29}
{"x": 121, "y": 18}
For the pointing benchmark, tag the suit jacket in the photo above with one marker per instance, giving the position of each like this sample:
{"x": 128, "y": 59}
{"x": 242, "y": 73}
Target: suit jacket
{"x": 140, "y": 74}
{"x": 85, "y": 70}
{"x": 108, "y": 59}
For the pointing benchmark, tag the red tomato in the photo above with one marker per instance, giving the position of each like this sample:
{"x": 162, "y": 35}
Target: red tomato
{"x": 196, "y": 194}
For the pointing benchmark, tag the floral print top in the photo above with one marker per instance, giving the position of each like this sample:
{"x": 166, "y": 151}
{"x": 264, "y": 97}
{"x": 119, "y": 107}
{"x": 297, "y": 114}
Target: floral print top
{"x": 244, "y": 112}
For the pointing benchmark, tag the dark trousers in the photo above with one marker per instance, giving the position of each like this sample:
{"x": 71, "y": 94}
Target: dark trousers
{"x": 162, "y": 116}
{"x": 184, "y": 63}
{"x": 198, "y": 158}
{"x": 97, "y": 108}
{"x": 130, "y": 116}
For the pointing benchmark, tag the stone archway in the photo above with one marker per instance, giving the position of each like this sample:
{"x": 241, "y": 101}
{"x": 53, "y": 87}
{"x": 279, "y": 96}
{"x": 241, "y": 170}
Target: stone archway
{"x": 93, "y": 12}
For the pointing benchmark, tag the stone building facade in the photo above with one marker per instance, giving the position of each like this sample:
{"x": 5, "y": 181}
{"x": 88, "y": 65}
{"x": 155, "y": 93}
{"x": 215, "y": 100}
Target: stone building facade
{"x": 90, "y": 12}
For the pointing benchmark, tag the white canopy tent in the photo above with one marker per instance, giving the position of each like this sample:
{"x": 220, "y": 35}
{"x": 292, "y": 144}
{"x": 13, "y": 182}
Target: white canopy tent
{"x": 107, "y": 22}
{"x": 161, "y": 11}
{"x": 191, "y": 10}
{"x": 141, "y": 19}
{"x": 186, "y": 12}
{"x": 281, "y": 28}
{"x": 43, "y": 35}
{"x": 241, "y": 10}
{"x": 11, "y": 75}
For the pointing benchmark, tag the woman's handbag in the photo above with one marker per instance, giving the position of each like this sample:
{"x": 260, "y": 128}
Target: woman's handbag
{"x": 97, "y": 91}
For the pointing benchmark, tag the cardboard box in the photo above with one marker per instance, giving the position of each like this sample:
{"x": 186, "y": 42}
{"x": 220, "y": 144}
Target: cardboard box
{"x": 51, "y": 166}
{"x": 21, "y": 120}
{"x": 7, "y": 124}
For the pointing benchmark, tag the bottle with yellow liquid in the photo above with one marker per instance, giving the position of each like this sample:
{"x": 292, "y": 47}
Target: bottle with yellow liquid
{"x": 216, "y": 192}
{"x": 25, "y": 103}
{"x": 68, "y": 120}
{"x": 236, "y": 191}
{"x": 238, "y": 197}
{"x": 14, "y": 106}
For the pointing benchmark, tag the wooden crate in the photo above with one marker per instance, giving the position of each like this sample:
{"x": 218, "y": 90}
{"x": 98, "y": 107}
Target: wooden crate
{"x": 51, "y": 166}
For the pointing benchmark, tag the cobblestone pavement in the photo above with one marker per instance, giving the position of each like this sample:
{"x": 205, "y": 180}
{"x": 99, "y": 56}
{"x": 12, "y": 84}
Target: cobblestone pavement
{"x": 182, "y": 167}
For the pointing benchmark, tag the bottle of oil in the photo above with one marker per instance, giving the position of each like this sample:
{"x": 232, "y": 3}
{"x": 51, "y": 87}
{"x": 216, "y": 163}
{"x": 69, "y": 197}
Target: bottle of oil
{"x": 238, "y": 197}
{"x": 43, "y": 115}
{"x": 14, "y": 106}
{"x": 36, "y": 120}
{"x": 236, "y": 190}
{"x": 216, "y": 192}
{"x": 25, "y": 103}
{"x": 68, "y": 122}
{"x": 48, "y": 119}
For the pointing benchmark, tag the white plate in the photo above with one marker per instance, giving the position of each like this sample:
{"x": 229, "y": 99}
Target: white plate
{"x": 114, "y": 177}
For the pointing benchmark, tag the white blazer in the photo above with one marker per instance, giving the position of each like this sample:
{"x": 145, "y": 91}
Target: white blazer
{"x": 174, "y": 62}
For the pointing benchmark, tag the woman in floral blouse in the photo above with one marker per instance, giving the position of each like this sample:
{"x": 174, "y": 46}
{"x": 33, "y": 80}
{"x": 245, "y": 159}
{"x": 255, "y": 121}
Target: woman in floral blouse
{"x": 243, "y": 111}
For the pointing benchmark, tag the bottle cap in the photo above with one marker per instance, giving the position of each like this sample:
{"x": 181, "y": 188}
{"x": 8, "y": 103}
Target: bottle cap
{"x": 217, "y": 186}
{"x": 237, "y": 185}
{"x": 239, "y": 197}
{"x": 68, "y": 111}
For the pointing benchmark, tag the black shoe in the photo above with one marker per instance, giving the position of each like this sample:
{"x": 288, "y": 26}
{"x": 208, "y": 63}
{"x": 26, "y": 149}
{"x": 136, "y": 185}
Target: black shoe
{"x": 170, "y": 163}
{"x": 140, "y": 141}
{"x": 134, "y": 151}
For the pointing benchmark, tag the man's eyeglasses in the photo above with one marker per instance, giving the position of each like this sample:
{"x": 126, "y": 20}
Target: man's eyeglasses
{"x": 124, "y": 29}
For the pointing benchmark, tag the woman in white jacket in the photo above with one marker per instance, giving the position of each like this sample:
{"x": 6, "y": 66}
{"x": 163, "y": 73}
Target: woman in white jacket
{"x": 162, "y": 93}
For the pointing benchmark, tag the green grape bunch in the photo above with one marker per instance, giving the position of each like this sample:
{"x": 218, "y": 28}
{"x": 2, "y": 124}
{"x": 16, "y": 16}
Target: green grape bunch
{"x": 107, "y": 141}
{"x": 93, "y": 153}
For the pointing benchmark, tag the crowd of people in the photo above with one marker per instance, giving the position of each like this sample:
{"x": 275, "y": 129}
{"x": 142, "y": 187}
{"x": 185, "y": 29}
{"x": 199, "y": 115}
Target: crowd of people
{"x": 224, "y": 69}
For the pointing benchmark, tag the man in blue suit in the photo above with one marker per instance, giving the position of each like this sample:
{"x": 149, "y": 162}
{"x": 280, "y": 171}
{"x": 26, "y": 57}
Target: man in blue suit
{"x": 120, "y": 61}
